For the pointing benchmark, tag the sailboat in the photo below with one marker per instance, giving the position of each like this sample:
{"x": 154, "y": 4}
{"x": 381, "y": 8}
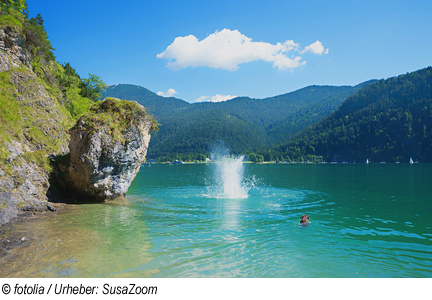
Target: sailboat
{"x": 411, "y": 161}
{"x": 367, "y": 161}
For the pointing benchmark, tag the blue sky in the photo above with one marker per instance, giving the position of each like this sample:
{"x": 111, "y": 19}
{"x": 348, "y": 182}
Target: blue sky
{"x": 196, "y": 50}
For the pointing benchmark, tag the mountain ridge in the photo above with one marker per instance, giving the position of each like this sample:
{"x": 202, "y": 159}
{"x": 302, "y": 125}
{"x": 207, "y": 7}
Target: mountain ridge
{"x": 242, "y": 123}
{"x": 389, "y": 121}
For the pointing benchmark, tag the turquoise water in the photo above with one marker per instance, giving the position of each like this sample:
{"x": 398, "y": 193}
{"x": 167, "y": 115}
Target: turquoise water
{"x": 366, "y": 221}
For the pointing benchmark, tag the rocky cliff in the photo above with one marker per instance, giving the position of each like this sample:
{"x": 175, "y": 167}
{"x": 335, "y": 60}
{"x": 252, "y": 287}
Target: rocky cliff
{"x": 40, "y": 101}
{"x": 33, "y": 125}
{"x": 107, "y": 147}
{"x": 12, "y": 54}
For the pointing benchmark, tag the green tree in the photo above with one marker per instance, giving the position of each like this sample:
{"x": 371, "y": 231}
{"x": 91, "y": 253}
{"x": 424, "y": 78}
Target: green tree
{"x": 37, "y": 39}
{"x": 18, "y": 5}
{"x": 93, "y": 87}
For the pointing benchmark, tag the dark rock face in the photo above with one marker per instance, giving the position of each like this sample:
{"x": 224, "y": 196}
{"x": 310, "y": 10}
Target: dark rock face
{"x": 103, "y": 165}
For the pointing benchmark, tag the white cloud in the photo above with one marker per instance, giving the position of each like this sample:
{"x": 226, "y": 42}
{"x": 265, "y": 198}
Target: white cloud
{"x": 227, "y": 49}
{"x": 215, "y": 98}
{"x": 316, "y": 48}
{"x": 169, "y": 93}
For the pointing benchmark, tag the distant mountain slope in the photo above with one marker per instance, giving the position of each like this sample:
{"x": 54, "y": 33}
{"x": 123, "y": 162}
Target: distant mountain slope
{"x": 390, "y": 120}
{"x": 311, "y": 113}
{"x": 243, "y": 124}
{"x": 198, "y": 133}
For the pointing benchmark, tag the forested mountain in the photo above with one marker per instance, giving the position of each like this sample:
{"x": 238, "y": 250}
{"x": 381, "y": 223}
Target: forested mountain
{"x": 243, "y": 124}
{"x": 390, "y": 120}
{"x": 309, "y": 114}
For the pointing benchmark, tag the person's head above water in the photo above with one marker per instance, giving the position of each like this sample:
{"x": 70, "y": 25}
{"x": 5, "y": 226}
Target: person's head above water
{"x": 304, "y": 219}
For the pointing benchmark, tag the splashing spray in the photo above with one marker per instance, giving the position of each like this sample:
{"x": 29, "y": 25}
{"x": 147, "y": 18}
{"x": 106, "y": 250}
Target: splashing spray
{"x": 228, "y": 172}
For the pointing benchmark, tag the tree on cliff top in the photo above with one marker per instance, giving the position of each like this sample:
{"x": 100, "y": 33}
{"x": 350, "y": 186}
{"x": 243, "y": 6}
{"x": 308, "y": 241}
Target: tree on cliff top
{"x": 93, "y": 87}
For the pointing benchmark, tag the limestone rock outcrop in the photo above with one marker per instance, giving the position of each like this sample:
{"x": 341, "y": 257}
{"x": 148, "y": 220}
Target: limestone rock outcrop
{"x": 12, "y": 54}
{"x": 33, "y": 118}
{"x": 107, "y": 147}
{"x": 36, "y": 112}
{"x": 33, "y": 126}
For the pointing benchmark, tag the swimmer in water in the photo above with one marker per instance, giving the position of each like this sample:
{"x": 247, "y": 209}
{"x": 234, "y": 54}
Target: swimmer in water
{"x": 304, "y": 220}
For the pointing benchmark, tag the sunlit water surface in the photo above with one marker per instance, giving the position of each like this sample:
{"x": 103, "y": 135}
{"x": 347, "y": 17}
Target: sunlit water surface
{"x": 182, "y": 221}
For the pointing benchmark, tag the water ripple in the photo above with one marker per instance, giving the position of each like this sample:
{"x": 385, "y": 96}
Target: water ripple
{"x": 361, "y": 226}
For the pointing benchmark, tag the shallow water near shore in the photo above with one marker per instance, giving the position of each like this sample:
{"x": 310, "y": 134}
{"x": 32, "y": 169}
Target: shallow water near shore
{"x": 366, "y": 221}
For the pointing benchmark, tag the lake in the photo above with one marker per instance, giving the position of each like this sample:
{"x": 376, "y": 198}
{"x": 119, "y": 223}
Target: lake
{"x": 241, "y": 220}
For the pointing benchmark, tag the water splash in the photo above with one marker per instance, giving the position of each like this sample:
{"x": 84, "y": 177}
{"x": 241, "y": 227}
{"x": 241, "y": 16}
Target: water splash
{"x": 228, "y": 177}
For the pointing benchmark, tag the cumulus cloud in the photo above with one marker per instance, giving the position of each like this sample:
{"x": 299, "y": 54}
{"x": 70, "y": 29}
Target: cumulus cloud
{"x": 316, "y": 48}
{"x": 227, "y": 49}
{"x": 169, "y": 93}
{"x": 215, "y": 98}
